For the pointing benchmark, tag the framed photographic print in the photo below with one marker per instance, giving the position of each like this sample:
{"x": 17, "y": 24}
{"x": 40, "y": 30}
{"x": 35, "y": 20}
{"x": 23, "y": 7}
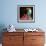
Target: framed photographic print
{"x": 26, "y": 13}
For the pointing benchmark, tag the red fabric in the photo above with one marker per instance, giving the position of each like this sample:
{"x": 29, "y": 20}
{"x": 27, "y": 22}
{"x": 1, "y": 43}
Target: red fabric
{"x": 24, "y": 17}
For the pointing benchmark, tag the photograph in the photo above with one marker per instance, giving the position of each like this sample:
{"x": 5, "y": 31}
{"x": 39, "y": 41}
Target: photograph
{"x": 26, "y": 13}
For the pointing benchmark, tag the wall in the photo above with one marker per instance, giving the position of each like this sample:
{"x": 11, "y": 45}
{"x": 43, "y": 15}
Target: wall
{"x": 8, "y": 13}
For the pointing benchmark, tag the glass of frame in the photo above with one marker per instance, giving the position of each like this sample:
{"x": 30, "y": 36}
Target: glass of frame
{"x": 26, "y": 13}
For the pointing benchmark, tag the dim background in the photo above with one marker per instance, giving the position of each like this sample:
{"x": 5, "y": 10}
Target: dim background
{"x": 8, "y": 14}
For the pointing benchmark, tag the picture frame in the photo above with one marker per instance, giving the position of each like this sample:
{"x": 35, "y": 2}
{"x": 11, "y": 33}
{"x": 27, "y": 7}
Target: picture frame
{"x": 26, "y": 13}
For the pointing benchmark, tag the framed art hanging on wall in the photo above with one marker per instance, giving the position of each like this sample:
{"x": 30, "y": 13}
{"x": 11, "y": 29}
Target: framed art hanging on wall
{"x": 26, "y": 13}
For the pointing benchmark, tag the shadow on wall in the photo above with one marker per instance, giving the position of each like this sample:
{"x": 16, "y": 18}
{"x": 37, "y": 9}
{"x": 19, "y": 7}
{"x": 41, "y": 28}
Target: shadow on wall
{"x": 2, "y": 26}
